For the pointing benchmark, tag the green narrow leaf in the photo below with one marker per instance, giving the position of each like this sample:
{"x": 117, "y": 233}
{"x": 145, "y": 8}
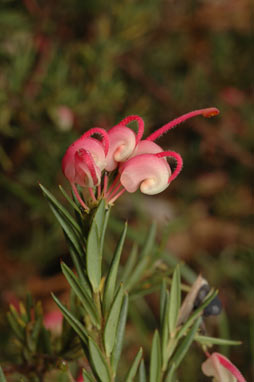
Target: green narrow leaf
{"x": 120, "y": 333}
{"x": 70, "y": 233}
{"x": 142, "y": 372}
{"x": 93, "y": 252}
{"x": 110, "y": 282}
{"x": 134, "y": 367}
{"x": 204, "y": 340}
{"x": 99, "y": 217}
{"x": 155, "y": 359}
{"x": 165, "y": 332}
{"x": 112, "y": 322}
{"x": 72, "y": 203}
{"x": 81, "y": 293}
{"x": 130, "y": 263}
{"x": 99, "y": 363}
{"x": 185, "y": 345}
{"x": 105, "y": 224}
{"x": 75, "y": 324}
{"x": 57, "y": 205}
{"x": 87, "y": 377}
{"x": 144, "y": 259}
{"x": 149, "y": 241}
{"x": 175, "y": 300}
{"x": 80, "y": 268}
{"x": 2, "y": 377}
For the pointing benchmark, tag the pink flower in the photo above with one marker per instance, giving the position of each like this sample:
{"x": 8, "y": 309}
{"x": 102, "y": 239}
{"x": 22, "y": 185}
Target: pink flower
{"x": 53, "y": 321}
{"x": 221, "y": 369}
{"x": 80, "y": 377}
{"x": 63, "y": 117}
{"x": 150, "y": 172}
{"x": 122, "y": 141}
{"x": 140, "y": 163}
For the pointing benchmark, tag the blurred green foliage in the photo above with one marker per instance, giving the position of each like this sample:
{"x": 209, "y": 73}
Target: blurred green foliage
{"x": 67, "y": 66}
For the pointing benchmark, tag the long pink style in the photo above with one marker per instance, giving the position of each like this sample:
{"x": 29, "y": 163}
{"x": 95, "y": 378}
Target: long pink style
{"x": 207, "y": 113}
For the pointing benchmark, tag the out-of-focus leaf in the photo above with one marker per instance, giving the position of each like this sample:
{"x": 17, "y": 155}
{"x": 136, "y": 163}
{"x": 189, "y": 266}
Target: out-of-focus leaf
{"x": 134, "y": 367}
{"x": 93, "y": 251}
{"x": 23, "y": 313}
{"x": 175, "y": 300}
{"x": 113, "y": 321}
{"x": 17, "y": 317}
{"x": 100, "y": 366}
{"x": 165, "y": 331}
{"x": 148, "y": 247}
{"x": 87, "y": 376}
{"x": 209, "y": 341}
{"x": 155, "y": 359}
{"x": 75, "y": 324}
{"x": 163, "y": 297}
{"x": 84, "y": 297}
{"x": 112, "y": 273}
{"x": 120, "y": 333}
{"x": 142, "y": 372}
{"x": 36, "y": 331}
{"x": 129, "y": 265}
{"x": 19, "y": 332}
{"x": 2, "y": 377}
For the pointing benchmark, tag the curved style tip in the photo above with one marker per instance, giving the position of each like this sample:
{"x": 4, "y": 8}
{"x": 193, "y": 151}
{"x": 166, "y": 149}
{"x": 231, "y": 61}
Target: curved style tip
{"x": 210, "y": 112}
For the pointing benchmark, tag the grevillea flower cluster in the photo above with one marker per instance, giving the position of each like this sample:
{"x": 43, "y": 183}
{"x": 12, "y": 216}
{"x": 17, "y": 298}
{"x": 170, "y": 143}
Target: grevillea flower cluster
{"x": 108, "y": 163}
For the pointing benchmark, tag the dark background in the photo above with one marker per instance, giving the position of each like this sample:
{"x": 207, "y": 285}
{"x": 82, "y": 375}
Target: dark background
{"x": 67, "y": 66}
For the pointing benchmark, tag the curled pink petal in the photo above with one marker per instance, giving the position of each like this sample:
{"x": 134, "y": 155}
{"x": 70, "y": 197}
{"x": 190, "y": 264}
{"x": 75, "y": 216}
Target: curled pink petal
{"x": 140, "y": 121}
{"x": 122, "y": 142}
{"x": 87, "y": 173}
{"x": 147, "y": 172}
{"x": 146, "y": 147}
{"x": 223, "y": 370}
{"x": 207, "y": 113}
